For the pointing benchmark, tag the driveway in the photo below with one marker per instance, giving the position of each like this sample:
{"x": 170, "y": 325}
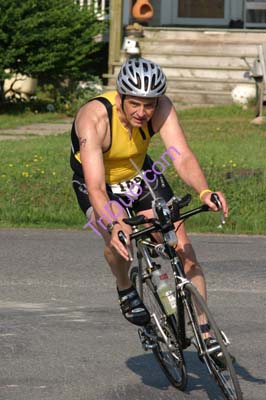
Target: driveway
{"x": 40, "y": 129}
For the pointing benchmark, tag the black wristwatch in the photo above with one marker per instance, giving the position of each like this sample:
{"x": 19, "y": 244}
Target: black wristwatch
{"x": 110, "y": 226}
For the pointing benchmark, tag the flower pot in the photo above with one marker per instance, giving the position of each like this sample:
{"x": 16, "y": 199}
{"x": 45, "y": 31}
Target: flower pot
{"x": 142, "y": 10}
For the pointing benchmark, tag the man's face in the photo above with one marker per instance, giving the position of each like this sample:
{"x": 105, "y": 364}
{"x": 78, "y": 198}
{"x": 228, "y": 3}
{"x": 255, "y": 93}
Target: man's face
{"x": 139, "y": 110}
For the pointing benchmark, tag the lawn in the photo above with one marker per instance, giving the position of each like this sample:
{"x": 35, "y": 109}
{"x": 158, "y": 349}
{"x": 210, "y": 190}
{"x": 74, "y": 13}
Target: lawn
{"x": 36, "y": 186}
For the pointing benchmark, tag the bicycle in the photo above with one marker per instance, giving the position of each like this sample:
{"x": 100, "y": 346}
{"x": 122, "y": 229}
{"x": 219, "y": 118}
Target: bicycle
{"x": 179, "y": 315}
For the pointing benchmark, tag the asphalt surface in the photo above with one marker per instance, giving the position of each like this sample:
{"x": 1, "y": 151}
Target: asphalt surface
{"x": 62, "y": 336}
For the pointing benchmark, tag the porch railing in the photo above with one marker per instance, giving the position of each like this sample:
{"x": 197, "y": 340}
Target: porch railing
{"x": 100, "y": 7}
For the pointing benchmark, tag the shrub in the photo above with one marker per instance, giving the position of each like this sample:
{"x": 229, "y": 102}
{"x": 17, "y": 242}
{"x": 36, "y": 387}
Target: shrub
{"x": 51, "y": 40}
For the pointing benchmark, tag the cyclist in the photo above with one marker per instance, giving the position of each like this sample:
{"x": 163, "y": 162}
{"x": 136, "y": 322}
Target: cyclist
{"x": 107, "y": 132}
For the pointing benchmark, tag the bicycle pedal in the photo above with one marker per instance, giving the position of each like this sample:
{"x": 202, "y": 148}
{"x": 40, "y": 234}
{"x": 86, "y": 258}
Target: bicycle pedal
{"x": 149, "y": 346}
{"x": 145, "y": 341}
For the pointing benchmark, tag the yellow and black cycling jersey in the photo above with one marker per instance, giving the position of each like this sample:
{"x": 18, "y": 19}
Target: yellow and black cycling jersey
{"x": 122, "y": 148}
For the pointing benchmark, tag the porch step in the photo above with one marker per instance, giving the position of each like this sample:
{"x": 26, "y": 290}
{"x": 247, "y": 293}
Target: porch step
{"x": 199, "y": 48}
{"x": 215, "y": 61}
{"x": 182, "y": 97}
{"x": 215, "y": 36}
{"x": 210, "y": 85}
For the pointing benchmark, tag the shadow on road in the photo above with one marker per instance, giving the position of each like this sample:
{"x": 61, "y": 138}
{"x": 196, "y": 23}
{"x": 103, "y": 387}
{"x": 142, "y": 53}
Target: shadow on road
{"x": 246, "y": 375}
{"x": 198, "y": 379}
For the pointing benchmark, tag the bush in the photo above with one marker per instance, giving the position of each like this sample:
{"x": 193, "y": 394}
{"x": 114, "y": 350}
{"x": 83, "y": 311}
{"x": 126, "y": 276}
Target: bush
{"x": 50, "y": 40}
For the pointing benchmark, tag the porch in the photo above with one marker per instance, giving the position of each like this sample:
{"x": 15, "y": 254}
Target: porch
{"x": 202, "y": 65}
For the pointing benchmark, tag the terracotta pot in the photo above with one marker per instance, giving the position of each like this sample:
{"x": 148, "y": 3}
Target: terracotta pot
{"x": 142, "y": 10}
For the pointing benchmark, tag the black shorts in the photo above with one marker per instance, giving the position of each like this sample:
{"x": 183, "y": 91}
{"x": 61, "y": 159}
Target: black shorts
{"x": 138, "y": 203}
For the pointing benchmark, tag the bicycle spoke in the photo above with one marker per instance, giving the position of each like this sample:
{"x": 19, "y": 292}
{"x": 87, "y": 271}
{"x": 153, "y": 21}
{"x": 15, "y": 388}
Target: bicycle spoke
{"x": 215, "y": 356}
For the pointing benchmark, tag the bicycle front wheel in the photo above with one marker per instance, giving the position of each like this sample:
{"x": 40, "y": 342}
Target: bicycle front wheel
{"x": 166, "y": 350}
{"x": 216, "y": 357}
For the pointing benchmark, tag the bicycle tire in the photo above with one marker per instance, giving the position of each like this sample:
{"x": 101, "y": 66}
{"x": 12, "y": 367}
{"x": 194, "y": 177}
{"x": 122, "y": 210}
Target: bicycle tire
{"x": 225, "y": 377}
{"x": 171, "y": 362}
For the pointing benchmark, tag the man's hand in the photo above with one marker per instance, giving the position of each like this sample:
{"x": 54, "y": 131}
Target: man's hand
{"x": 206, "y": 198}
{"x": 115, "y": 241}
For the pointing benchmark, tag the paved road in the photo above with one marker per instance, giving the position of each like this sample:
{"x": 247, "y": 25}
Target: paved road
{"x": 62, "y": 336}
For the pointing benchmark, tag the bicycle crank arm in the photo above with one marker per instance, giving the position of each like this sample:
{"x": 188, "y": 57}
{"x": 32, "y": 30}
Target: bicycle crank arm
{"x": 164, "y": 337}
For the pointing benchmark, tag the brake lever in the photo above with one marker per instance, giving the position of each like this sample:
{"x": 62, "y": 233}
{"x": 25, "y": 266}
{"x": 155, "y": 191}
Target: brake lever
{"x": 215, "y": 199}
{"x": 123, "y": 239}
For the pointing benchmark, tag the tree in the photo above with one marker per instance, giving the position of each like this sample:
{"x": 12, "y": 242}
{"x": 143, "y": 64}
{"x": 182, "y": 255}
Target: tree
{"x": 51, "y": 40}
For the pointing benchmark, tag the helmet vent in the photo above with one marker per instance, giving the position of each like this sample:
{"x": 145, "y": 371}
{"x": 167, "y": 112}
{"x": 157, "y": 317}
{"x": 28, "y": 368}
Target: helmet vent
{"x": 146, "y": 83}
{"x": 145, "y": 67}
{"x": 128, "y": 87}
{"x": 153, "y": 84}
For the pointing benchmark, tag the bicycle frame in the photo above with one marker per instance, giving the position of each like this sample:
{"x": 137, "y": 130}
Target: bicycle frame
{"x": 192, "y": 316}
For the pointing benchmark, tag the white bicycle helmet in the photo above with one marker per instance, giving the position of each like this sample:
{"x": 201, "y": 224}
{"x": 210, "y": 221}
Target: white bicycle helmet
{"x": 141, "y": 78}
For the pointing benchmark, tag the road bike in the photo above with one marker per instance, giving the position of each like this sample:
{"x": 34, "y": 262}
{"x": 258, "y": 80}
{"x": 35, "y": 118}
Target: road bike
{"x": 179, "y": 315}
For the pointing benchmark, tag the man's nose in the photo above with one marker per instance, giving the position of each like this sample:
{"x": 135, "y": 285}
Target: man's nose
{"x": 141, "y": 112}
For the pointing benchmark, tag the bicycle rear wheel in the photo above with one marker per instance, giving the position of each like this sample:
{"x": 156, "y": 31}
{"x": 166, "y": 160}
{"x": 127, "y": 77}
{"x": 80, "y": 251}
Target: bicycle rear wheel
{"x": 199, "y": 316}
{"x": 166, "y": 350}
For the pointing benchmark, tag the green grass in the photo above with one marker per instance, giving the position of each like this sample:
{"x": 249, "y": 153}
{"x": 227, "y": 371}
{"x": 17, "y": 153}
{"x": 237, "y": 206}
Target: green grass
{"x": 231, "y": 152}
{"x": 36, "y": 185}
{"x": 35, "y": 177}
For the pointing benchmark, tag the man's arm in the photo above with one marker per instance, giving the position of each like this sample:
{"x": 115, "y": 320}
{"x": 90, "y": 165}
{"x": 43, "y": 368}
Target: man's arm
{"x": 92, "y": 130}
{"x": 186, "y": 163}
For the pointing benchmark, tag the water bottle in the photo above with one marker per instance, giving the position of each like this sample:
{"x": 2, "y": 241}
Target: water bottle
{"x": 166, "y": 295}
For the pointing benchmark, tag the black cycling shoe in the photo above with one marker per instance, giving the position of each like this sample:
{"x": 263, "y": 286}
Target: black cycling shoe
{"x": 216, "y": 353}
{"x": 133, "y": 308}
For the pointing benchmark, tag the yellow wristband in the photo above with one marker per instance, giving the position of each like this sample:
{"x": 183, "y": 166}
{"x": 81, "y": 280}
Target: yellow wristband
{"x": 203, "y": 192}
